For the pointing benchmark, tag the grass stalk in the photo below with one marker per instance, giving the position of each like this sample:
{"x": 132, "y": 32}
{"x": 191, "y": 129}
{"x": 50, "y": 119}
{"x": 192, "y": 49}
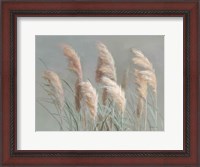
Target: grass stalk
{"x": 138, "y": 124}
{"x": 61, "y": 128}
{"x": 146, "y": 115}
{"x": 84, "y": 119}
{"x": 156, "y": 120}
{"x": 112, "y": 119}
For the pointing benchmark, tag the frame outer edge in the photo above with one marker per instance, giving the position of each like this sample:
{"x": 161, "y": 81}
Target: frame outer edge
{"x": 6, "y": 77}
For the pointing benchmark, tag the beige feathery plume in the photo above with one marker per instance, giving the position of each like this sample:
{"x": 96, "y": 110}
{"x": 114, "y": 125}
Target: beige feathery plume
{"x": 106, "y": 65}
{"x": 142, "y": 92}
{"x": 141, "y": 60}
{"x": 137, "y": 52}
{"x": 75, "y": 66}
{"x": 108, "y": 82}
{"x": 74, "y": 61}
{"x": 141, "y": 84}
{"x": 148, "y": 73}
{"x": 56, "y": 87}
{"x": 90, "y": 97}
{"x": 150, "y": 77}
{"x": 144, "y": 77}
{"x": 115, "y": 92}
{"x": 105, "y": 71}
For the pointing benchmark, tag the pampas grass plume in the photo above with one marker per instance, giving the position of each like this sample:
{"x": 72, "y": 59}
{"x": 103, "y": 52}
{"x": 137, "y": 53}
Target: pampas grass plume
{"x": 150, "y": 77}
{"x": 90, "y": 97}
{"x": 144, "y": 76}
{"x": 74, "y": 61}
{"x": 106, "y": 65}
{"x": 75, "y": 66}
{"x": 56, "y": 86}
{"x": 115, "y": 92}
{"x": 141, "y": 83}
{"x": 141, "y": 60}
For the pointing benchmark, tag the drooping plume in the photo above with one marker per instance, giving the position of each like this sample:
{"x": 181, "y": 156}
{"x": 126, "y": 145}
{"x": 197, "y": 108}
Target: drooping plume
{"x": 74, "y": 61}
{"x": 105, "y": 68}
{"x": 75, "y": 66}
{"x": 115, "y": 92}
{"x": 146, "y": 69}
{"x": 106, "y": 65}
{"x": 141, "y": 60}
{"x": 56, "y": 87}
{"x": 141, "y": 83}
{"x": 150, "y": 77}
{"x": 144, "y": 76}
{"x": 89, "y": 97}
{"x": 142, "y": 91}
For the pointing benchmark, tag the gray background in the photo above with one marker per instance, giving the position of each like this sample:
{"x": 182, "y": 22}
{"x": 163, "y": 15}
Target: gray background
{"x": 48, "y": 48}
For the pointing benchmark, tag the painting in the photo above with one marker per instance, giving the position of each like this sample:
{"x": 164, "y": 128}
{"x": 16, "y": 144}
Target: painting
{"x": 99, "y": 82}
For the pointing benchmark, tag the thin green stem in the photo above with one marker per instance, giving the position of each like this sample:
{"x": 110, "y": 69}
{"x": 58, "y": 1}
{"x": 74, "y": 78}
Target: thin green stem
{"x": 156, "y": 113}
{"x": 145, "y": 122}
{"x": 84, "y": 119}
{"x": 122, "y": 120}
{"x": 52, "y": 114}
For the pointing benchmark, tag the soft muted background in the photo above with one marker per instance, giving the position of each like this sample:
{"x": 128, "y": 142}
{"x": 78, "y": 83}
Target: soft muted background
{"x": 48, "y": 49}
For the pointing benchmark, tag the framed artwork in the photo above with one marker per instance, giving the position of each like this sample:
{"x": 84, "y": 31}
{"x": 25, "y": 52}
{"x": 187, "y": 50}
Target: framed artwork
{"x": 100, "y": 83}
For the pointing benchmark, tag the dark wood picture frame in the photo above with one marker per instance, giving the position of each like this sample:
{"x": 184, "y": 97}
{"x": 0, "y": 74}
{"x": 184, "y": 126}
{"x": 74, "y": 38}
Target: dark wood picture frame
{"x": 12, "y": 10}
